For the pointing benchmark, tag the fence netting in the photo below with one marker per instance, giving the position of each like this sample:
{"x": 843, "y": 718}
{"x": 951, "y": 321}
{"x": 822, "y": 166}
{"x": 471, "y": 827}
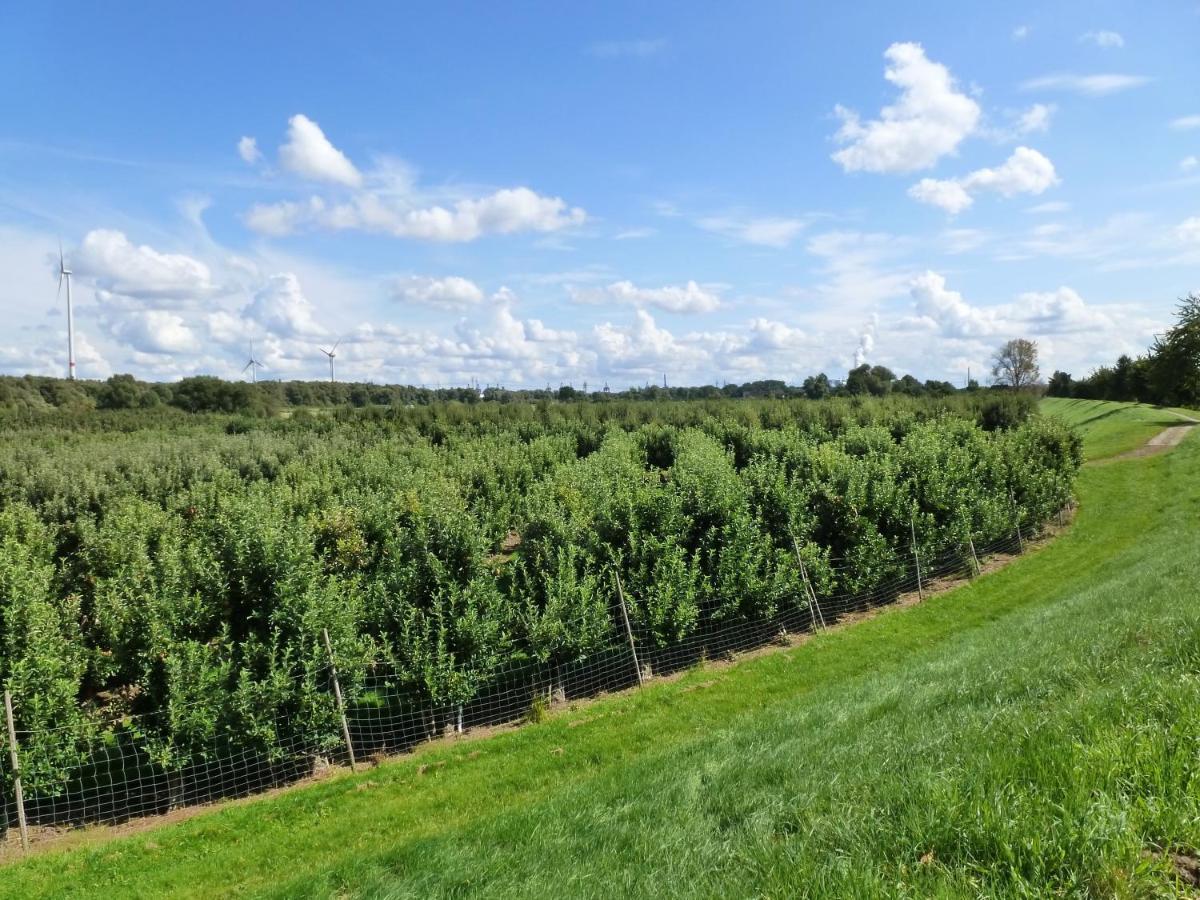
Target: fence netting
{"x": 83, "y": 776}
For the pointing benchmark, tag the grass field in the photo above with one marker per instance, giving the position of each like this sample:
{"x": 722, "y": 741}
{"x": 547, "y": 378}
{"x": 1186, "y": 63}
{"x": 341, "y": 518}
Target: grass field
{"x": 1110, "y": 428}
{"x": 1035, "y": 733}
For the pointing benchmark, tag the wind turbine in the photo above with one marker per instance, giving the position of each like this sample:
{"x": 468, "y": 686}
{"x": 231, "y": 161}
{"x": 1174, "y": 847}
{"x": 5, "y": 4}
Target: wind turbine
{"x": 64, "y": 272}
{"x": 332, "y": 354}
{"x": 253, "y": 365}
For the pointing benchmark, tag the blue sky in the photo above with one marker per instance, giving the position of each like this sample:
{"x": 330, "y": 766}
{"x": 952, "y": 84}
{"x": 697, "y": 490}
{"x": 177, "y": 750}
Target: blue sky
{"x": 530, "y": 193}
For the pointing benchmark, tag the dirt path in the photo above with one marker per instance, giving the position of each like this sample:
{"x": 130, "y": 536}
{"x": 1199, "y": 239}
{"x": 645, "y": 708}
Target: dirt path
{"x": 1165, "y": 440}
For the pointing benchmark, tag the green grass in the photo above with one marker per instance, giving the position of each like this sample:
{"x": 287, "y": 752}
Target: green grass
{"x": 1110, "y": 428}
{"x": 1029, "y": 735}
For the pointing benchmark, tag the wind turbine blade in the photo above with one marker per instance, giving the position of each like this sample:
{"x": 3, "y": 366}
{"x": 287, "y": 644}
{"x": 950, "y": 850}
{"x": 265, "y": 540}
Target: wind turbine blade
{"x": 338, "y": 344}
{"x": 246, "y": 366}
{"x": 59, "y": 292}
{"x": 62, "y": 263}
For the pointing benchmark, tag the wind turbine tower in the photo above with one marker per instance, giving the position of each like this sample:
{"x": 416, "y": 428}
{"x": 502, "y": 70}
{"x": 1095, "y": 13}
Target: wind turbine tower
{"x": 65, "y": 273}
{"x": 332, "y": 354}
{"x": 253, "y": 365}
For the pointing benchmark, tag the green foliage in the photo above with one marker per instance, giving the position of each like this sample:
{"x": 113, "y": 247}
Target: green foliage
{"x": 1175, "y": 358}
{"x": 1168, "y": 375}
{"x": 539, "y": 709}
{"x": 1033, "y": 734}
{"x": 184, "y": 566}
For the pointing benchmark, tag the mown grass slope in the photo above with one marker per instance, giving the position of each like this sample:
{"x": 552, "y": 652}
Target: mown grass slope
{"x": 1110, "y": 428}
{"x": 1035, "y": 733}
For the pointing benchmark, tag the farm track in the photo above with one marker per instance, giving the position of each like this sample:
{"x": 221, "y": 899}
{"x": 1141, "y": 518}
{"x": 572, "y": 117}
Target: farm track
{"x": 1167, "y": 439}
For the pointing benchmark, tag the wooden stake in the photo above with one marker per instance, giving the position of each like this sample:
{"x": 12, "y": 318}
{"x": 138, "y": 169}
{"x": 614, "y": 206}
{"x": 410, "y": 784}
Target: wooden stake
{"x": 337, "y": 692}
{"x": 912, "y": 527}
{"x": 628, "y": 630}
{"x": 16, "y": 770}
{"x": 1017, "y": 517}
{"x": 808, "y": 588}
{"x": 974, "y": 558}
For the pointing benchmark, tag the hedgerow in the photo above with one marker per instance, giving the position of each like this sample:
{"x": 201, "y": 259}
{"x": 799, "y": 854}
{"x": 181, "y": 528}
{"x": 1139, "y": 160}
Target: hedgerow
{"x": 186, "y": 567}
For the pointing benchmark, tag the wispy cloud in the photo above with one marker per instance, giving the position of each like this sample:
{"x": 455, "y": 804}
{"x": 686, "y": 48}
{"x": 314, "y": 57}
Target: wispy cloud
{"x": 640, "y": 48}
{"x": 1107, "y": 40}
{"x": 764, "y": 232}
{"x": 1088, "y": 85}
{"x": 1186, "y": 123}
{"x": 1054, "y": 206}
{"x": 633, "y": 234}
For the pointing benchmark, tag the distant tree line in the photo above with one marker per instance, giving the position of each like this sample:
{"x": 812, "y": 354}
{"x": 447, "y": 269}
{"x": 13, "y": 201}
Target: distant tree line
{"x": 207, "y": 393}
{"x": 1168, "y": 374}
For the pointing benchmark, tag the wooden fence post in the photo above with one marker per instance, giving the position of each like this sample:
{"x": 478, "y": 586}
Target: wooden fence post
{"x": 974, "y": 556}
{"x": 1017, "y": 518}
{"x": 337, "y": 692}
{"x": 16, "y": 770}
{"x": 808, "y": 588}
{"x": 912, "y": 527}
{"x": 628, "y": 630}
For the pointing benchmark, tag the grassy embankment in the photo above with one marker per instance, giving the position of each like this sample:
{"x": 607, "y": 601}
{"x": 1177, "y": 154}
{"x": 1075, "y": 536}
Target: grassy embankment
{"x": 1036, "y": 732}
{"x": 1111, "y": 428}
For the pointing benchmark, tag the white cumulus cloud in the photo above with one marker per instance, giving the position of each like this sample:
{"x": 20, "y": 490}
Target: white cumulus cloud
{"x": 280, "y": 307}
{"x": 155, "y": 331}
{"x": 947, "y": 309}
{"x": 116, "y": 265}
{"x": 309, "y": 154}
{"x": 686, "y": 298}
{"x": 643, "y": 347}
{"x": 946, "y": 193}
{"x": 503, "y": 212}
{"x": 248, "y": 150}
{"x": 767, "y": 334}
{"x": 1036, "y": 118}
{"x": 929, "y": 119}
{"x": 1026, "y": 171}
{"x": 1035, "y": 314}
{"x": 451, "y": 291}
